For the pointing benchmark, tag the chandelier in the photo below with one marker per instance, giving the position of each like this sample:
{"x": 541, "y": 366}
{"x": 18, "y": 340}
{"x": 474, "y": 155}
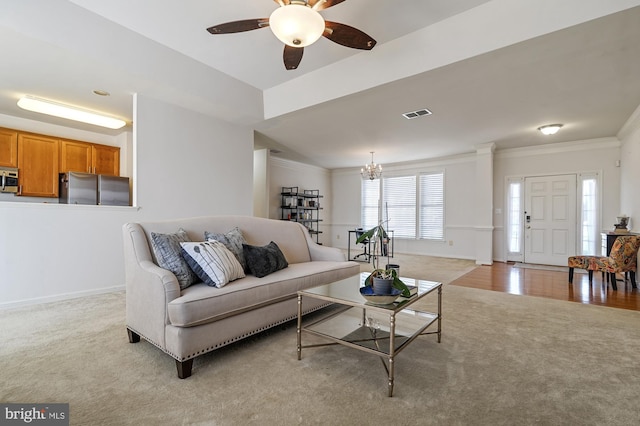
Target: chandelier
{"x": 371, "y": 171}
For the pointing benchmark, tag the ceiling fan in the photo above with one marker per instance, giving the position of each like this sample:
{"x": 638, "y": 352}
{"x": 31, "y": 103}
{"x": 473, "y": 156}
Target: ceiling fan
{"x": 297, "y": 24}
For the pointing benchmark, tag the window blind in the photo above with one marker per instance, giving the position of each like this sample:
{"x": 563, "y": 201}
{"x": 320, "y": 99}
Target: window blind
{"x": 431, "y": 211}
{"x": 370, "y": 202}
{"x": 400, "y": 202}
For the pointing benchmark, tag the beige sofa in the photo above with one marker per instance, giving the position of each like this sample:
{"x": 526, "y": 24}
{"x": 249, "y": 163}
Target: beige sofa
{"x": 199, "y": 319}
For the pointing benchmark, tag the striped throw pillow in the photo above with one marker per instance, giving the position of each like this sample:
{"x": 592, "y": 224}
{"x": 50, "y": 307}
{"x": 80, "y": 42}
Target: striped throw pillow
{"x": 212, "y": 262}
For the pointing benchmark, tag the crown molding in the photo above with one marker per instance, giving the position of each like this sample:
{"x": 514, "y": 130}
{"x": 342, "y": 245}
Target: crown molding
{"x": 555, "y": 148}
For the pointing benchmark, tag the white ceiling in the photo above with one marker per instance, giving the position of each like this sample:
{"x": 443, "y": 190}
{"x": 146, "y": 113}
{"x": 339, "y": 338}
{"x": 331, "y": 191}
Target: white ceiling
{"x": 490, "y": 71}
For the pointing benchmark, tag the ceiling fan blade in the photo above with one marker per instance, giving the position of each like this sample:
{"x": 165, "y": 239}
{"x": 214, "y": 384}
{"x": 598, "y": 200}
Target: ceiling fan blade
{"x": 239, "y": 26}
{"x": 348, "y": 36}
{"x": 323, "y": 4}
{"x": 282, "y": 2}
{"x": 292, "y": 56}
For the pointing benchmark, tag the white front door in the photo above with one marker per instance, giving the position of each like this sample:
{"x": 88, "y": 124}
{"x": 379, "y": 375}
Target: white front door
{"x": 550, "y": 219}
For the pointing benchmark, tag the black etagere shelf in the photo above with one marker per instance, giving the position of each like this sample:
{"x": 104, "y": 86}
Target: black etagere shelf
{"x": 303, "y": 207}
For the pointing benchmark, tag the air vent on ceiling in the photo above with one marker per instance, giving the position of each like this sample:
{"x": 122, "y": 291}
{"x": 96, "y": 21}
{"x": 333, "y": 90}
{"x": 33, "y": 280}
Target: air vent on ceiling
{"x": 416, "y": 114}
{"x": 275, "y": 151}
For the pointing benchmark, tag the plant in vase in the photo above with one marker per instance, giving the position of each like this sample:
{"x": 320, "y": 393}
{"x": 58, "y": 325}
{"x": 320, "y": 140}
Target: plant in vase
{"x": 382, "y": 280}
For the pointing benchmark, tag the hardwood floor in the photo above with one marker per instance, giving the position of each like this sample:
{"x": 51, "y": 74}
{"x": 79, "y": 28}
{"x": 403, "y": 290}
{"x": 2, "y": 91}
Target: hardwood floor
{"x": 506, "y": 278}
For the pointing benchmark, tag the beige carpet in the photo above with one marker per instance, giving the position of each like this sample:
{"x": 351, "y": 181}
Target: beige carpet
{"x": 431, "y": 268}
{"x": 503, "y": 360}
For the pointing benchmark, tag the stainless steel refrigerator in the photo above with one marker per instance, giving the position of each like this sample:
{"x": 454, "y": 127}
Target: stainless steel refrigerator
{"x": 78, "y": 188}
{"x": 113, "y": 190}
{"x": 88, "y": 188}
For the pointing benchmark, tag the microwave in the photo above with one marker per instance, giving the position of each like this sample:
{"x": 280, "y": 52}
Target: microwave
{"x": 8, "y": 179}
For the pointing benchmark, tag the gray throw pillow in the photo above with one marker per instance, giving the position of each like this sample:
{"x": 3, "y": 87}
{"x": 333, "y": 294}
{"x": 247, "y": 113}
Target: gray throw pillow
{"x": 168, "y": 253}
{"x": 232, "y": 240}
{"x": 265, "y": 260}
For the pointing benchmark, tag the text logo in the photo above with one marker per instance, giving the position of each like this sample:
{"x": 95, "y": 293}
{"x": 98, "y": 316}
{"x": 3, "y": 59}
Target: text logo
{"x": 34, "y": 414}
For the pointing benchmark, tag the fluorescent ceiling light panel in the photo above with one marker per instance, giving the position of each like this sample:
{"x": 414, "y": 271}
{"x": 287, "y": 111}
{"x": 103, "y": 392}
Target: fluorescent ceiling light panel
{"x": 42, "y": 106}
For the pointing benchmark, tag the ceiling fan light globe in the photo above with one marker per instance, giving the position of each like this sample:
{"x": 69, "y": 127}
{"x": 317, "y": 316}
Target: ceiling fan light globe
{"x": 296, "y": 25}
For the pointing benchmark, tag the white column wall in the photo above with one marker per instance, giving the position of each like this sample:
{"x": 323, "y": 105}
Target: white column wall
{"x": 629, "y": 170}
{"x": 484, "y": 204}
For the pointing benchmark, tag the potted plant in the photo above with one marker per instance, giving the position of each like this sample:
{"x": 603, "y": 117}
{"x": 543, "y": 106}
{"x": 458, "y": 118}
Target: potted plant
{"x": 381, "y": 279}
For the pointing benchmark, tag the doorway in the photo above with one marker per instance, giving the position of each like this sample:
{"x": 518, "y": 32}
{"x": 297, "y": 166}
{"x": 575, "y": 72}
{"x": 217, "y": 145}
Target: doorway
{"x": 550, "y": 212}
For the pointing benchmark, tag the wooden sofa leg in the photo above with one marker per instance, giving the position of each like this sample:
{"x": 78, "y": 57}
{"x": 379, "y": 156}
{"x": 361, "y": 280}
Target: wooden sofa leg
{"x": 184, "y": 368}
{"x": 590, "y": 276}
{"x": 570, "y": 275}
{"x": 133, "y": 337}
{"x": 632, "y": 275}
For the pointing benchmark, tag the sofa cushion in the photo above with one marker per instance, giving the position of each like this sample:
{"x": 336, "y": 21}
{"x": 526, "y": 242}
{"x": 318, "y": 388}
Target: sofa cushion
{"x": 168, "y": 253}
{"x": 200, "y": 304}
{"x": 233, "y": 240}
{"x": 212, "y": 262}
{"x": 265, "y": 260}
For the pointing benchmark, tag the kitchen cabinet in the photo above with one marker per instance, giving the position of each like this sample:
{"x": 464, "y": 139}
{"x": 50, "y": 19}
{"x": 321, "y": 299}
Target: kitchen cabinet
{"x": 76, "y": 156}
{"x": 106, "y": 160}
{"x": 38, "y": 165}
{"x": 8, "y": 148}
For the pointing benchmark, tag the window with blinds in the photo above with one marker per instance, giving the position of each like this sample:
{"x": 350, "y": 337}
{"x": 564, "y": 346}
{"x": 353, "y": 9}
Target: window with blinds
{"x": 432, "y": 206}
{"x": 370, "y": 203}
{"x": 399, "y": 200}
{"x": 413, "y": 205}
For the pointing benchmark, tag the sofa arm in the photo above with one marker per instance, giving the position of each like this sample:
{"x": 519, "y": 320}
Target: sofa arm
{"x": 149, "y": 288}
{"x": 155, "y": 275}
{"x": 149, "y": 291}
{"x": 323, "y": 253}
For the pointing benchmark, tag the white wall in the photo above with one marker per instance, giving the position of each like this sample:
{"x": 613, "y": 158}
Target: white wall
{"x": 190, "y": 164}
{"x": 187, "y": 165}
{"x": 291, "y": 173}
{"x": 597, "y": 155}
{"x": 460, "y": 210}
{"x": 462, "y": 193}
{"x": 630, "y": 170}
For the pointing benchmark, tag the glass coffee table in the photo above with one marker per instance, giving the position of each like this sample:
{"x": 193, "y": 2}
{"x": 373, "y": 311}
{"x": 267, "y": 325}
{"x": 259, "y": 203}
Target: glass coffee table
{"x": 383, "y": 330}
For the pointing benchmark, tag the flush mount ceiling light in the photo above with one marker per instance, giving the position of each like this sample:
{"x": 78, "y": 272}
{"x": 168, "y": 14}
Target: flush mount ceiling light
{"x": 43, "y": 106}
{"x": 296, "y": 25}
{"x": 371, "y": 171}
{"x": 101, "y": 92}
{"x": 550, "y": 129}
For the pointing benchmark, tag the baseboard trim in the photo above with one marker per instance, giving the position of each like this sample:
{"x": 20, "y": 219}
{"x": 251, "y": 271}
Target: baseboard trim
{"x": 59, "y": 297}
